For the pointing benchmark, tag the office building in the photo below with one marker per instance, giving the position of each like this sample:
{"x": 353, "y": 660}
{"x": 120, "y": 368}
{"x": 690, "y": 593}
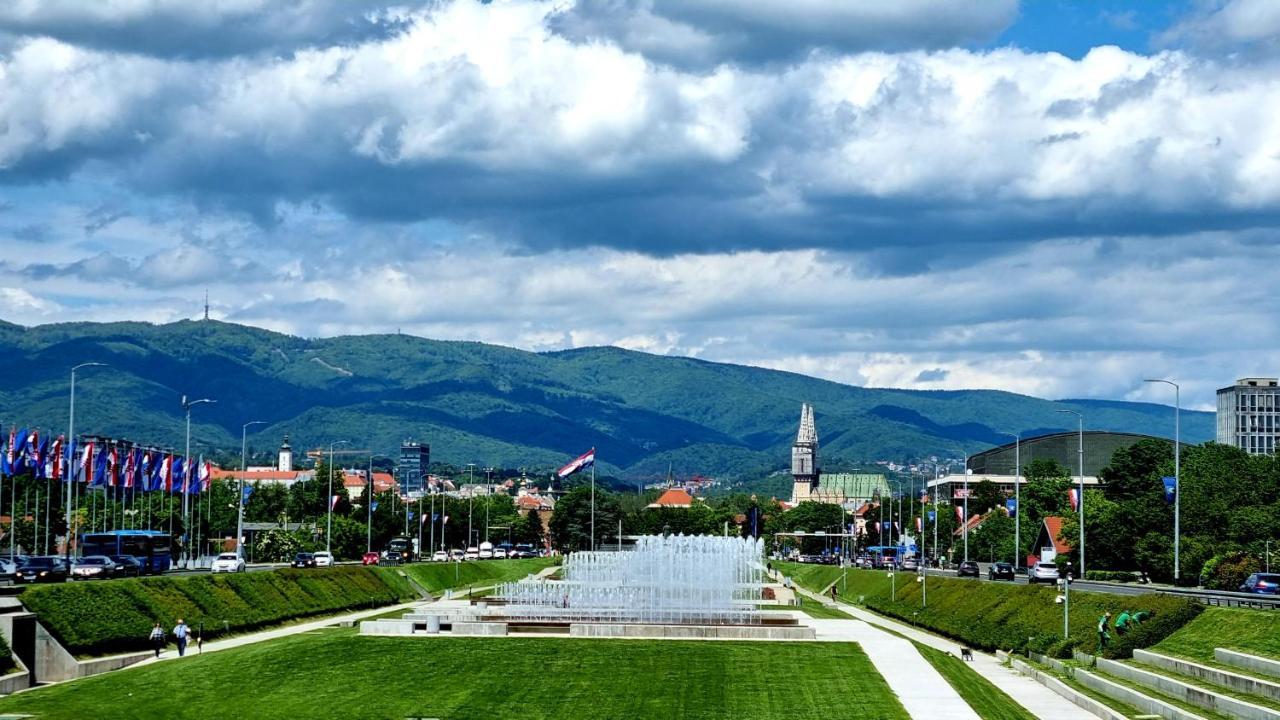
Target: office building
{"x": 414, "y": 459}
{"x": 1249, "y": 415}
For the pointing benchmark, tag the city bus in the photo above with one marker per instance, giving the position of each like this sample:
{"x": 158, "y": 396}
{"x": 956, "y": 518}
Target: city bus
{"x": 152, "y": 547}
{"x": 883, "y": 555}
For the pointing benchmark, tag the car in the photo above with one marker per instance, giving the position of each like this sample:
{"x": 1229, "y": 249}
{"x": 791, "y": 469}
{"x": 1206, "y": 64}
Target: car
{"x": 1262, "y": 584}
{"x": 440, "y": 556}
{"x": 500, "y": 554}
{"x": 456, "y": 554}
{"x": 1000, "y": 571}
{"x": 93, "y": 567}
{"x": 911, "y": 564}
{"x": 369, "y": 558}
{"x": 42, "y": 569}
{"x": 127, "y": 566}
{"x": 1042, "y": 572}
{"x": 227, "y": 562}
{"x": 473, "y": 553}
{"x": 9, "y": 564}
{"x": 967, "y": 568}
{"x": 324, "y": 559}
{"x": 304, "y": 560}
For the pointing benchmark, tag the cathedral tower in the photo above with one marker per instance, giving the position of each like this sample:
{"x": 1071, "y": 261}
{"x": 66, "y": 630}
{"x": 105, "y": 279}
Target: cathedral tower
{"x": 804, "y": 457}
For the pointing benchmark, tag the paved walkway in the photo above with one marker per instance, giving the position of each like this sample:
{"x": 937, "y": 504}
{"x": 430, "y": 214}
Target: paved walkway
{"x": 1036, "y": 698}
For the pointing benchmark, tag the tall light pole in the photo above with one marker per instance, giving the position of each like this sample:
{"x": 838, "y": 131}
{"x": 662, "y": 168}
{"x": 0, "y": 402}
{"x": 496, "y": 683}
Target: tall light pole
{"x": 1017, "y": 498}
{"x": 1177, "y": 475}
{"x": 488, "y": 499}
{"x": 244, "y": 434}
{"x": 368, "y": 504}
{"x": 71, "y": 442}
{"x": 1080, "y": 503}
{"x": 328, "y": 499}
{"x": 186, "y": 476}
{"x": 965, "y": 524}
{"x": 471, "y": 498}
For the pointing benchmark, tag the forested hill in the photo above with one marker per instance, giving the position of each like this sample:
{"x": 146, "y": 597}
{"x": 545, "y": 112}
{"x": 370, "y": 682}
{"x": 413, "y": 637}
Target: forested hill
{"x": 499, "y": 406}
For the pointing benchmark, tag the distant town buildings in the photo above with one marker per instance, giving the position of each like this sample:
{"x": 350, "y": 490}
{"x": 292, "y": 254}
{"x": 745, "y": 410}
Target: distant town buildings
{"x": 414, "y": 459}
{"x": 1249, "y": 415}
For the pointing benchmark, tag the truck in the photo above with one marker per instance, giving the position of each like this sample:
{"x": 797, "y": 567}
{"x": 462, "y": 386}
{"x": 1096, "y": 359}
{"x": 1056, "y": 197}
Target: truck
{"x": 402, "y": 548}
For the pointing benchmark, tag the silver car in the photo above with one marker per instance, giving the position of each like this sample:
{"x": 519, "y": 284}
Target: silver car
{"x": 1042, "y": 572}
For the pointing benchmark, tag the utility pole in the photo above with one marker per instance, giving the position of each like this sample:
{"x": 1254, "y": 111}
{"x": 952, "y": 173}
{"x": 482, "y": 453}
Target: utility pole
{"x": 186, "y": 478}
{"x": 1080, "y": 419}
{"x": 1017, "y": 499}
{"x": 1177, "y": 476}
{"x": 328, "y": 499}
{"x": 965, "y": 524}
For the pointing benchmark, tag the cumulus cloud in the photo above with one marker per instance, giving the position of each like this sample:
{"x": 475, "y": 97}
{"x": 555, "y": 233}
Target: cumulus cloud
{"x": 1229, "y": 25}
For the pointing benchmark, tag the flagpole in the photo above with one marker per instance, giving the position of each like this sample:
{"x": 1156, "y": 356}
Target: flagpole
{"x": 593, "y": 503}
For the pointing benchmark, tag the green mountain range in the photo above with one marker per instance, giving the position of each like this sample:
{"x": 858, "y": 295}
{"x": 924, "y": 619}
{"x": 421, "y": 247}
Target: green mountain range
{"x": 498, "y": 406}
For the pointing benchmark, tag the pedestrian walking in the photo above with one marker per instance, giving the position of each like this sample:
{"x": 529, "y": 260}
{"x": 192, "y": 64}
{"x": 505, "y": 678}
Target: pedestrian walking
{"x": 1104, "y": 637}
{"x": 833, "y": 591}
{"x": 181, "y": 632}
{"x": 157, "y": 638}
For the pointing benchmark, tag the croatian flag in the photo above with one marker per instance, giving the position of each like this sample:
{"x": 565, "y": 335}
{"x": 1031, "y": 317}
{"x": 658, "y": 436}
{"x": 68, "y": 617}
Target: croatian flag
{"x": 206, "y": 472}
{"x": 877, "y": 526}
{"x": 582, "y": 462}
{"x": 10, "y": 453}
{"x": 130, "y": 467}
{"x": 333, "y": 502}
{"x": 166, "y": 473}
{"x": 959, "y": 514}
{"x": 373, "y": 506}
{"x": 919, "y": 529}
{"x": 53, "y": 470}
{"x": 1073, "y": 495}
{"x": 444, "y": 521}
{"x": 86, "y": 463}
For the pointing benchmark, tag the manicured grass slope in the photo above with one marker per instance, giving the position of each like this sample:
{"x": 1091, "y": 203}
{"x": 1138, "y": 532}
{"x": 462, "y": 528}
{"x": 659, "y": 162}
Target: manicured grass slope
{"x": 991, "y": 615}
{"x": 1251, "y": 631}
{"x": 984, "y": 697}
{"x": 337, "y": 674}
{"x": 438, "y": 576}
{"x": 100, "y": 618}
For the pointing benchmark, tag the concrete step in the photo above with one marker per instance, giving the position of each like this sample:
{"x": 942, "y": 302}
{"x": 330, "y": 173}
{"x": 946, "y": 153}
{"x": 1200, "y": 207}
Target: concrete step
{"x": 1264, "y": 689}
{"x": 1186, "y": 692}
{"x": 1132, "y": 696}
{"x": 1245, "y": 661}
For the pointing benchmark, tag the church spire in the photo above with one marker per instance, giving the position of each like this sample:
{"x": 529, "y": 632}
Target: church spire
{"x": 808, "y": 431}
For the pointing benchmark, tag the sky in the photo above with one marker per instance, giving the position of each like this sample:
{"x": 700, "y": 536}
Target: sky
{"x": 1052, "y": 198}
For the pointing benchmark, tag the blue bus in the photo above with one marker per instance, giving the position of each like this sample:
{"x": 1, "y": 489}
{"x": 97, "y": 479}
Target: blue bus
{"x": 883, "y": 555}
{"x": 152, "y": 547}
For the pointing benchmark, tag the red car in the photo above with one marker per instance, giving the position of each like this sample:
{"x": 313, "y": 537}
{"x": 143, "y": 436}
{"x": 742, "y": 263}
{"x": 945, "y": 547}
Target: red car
{"x": 370, "y": 558}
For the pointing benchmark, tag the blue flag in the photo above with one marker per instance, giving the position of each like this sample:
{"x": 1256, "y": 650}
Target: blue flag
{"x": 373, "y": 506}
{"x": 1011, "y": 506}
{"x": 410, "y": 514}
{"x": 244, "y": 494}
{"x": 179, "y": 473}
{"x": 933, "y": 516}
{"x": 100, "y": 469}
{"x": 1170, "y": 490}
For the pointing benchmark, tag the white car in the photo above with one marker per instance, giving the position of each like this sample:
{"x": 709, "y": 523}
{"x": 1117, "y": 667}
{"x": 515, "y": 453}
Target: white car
{"x": 227, "y": 562}
{"x": 500, "y": 554}
{"x": 440, "y": 556}
{"x": 1042, "y": 572}
{"x": 324, "y": 559}
{"x": 456, "y": 554}
{"x": 473, "y": 553}
{"x": 486, "y": 551}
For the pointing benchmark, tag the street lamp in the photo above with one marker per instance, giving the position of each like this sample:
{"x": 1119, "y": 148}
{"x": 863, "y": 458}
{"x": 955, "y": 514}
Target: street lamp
{"x": 328, "y": 531}
{"x": 1017, "y": 498}
{"x": 471, "y": 498}
{"x": 70, "y": 473}
{"x": 1080, "y": 502}
{"x": 965, "y": 524}
{"x": 488, "y": 499}
{"x": 1177, "y": 475}
{"x": 186, "y": 469}
{"x": 244, "y": 433}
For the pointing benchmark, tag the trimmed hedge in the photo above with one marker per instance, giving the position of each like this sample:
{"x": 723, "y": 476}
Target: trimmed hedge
{"x": 1120, "y": 576}
{"x": 1006, "y": 616}
{"x": 114, "y": 616}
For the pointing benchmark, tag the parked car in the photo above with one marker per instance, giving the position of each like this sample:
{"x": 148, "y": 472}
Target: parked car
{"x": 323, "y": 559}
{"x": 486, "y": 551}
{"x": 440, "y": 556}
{"x": 473, "y": 553}
{"x": 500, "y": 554}
{"x": 227, "y": 562}
{"x": 1000, "y": 571}
{"x": 304, "y": 560}
{"x": 1262, "y": 584}
{"x": 9, "y": 564}
{"x": 127, "y": 566}
{"x": 911, "y": 564}
{"x": 41, "y": 569}
{"x": 370, "y": 558}
{"x": 968, "y": 568}
{"x": 93, "y": 567}
{"x": 1042, "y": 572}
{"x": 456, "y": 554}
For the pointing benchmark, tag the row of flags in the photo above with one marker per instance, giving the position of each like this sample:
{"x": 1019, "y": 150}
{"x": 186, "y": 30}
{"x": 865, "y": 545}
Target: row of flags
{"x": 103, "y": 464}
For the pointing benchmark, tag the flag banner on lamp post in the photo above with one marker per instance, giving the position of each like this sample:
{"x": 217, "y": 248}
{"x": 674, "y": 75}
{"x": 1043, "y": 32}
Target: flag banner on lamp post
{"x": 959, "y": 514}
{"x": 933, "y": 516}
{"x": 1073, "y": 495}
{"x": 1170, "y": 490}
{"x": 333, "y": 502}
{"x": 244, "y": 494}
{"x": 1011, "y": 507}
{"x": 373, "y": 506}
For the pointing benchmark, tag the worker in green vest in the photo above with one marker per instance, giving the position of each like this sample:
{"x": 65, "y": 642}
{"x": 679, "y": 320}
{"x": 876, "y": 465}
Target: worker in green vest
{"x": 1122, "y": 622}
{"x": 1104, "y": 637}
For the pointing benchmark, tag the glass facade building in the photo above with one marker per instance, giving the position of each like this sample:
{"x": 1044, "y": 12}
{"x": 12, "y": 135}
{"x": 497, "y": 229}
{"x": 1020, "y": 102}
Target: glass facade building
{"x": 412, "y": 471}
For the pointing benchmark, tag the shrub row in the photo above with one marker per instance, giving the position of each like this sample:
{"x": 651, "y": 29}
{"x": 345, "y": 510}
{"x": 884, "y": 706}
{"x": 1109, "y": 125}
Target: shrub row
{"x": 1121, "y": 576}
{"x": 1022, "y": 618}
{"x": 99, "y": 618}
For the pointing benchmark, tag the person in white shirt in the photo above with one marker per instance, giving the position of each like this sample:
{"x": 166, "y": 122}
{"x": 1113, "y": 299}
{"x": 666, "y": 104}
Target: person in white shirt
{"x": 157, "y": 638}
{"x": 181, "y": 632}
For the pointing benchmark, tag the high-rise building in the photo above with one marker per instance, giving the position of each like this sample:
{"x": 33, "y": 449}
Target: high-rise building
{"x": 1249, "y": 415}
{"x": 414, "y": 459}
{"x": 804, "y": 456}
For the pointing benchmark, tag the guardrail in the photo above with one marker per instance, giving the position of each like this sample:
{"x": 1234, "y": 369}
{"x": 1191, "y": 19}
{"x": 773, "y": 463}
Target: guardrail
{"x": 1223, "y": 598}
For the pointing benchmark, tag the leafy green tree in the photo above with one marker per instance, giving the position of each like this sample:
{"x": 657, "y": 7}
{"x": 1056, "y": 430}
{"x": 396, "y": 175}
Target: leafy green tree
{"x": 349, "y": 538}
{"x": 571, "y": 522}
{"x": 279, "y": 545}
{"x": 985, "y": 496}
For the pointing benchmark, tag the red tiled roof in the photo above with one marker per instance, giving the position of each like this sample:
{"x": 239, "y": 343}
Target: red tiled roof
{"x": 529, "y": 501}
{"x": 1054, "y": 526}
{"x": 675, "y": 497}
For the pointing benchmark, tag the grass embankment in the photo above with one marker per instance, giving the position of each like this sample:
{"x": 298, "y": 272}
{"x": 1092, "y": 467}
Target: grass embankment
{"x": 1252, "y": 631}
{"x": 813, "y": 609}
{"x": 987, "y": 700}
{"x": 113, "y": 616}
{"x": 338, "y": 674}
{"x": 441, "y": 576}
{"x": 990, "y": 615}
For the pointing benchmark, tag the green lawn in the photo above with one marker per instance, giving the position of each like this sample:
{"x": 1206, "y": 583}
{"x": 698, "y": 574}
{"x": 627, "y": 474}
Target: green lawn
{"x": 812, "y": 609}
{"x": 338, "y": 674}
{"x": 982, "y": 695}
{"x": 439, "y": 576}
{"x": 1251, "y": 631}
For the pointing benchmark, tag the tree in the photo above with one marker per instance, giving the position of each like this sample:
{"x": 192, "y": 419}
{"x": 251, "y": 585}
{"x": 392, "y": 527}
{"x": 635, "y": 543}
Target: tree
{"x": 279, "y": 545}
{"x": 349, "y": 538}
{"x": 528, "y": 528}
{"x": 985, "y": 496}
{"x": 571, "y": 522}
